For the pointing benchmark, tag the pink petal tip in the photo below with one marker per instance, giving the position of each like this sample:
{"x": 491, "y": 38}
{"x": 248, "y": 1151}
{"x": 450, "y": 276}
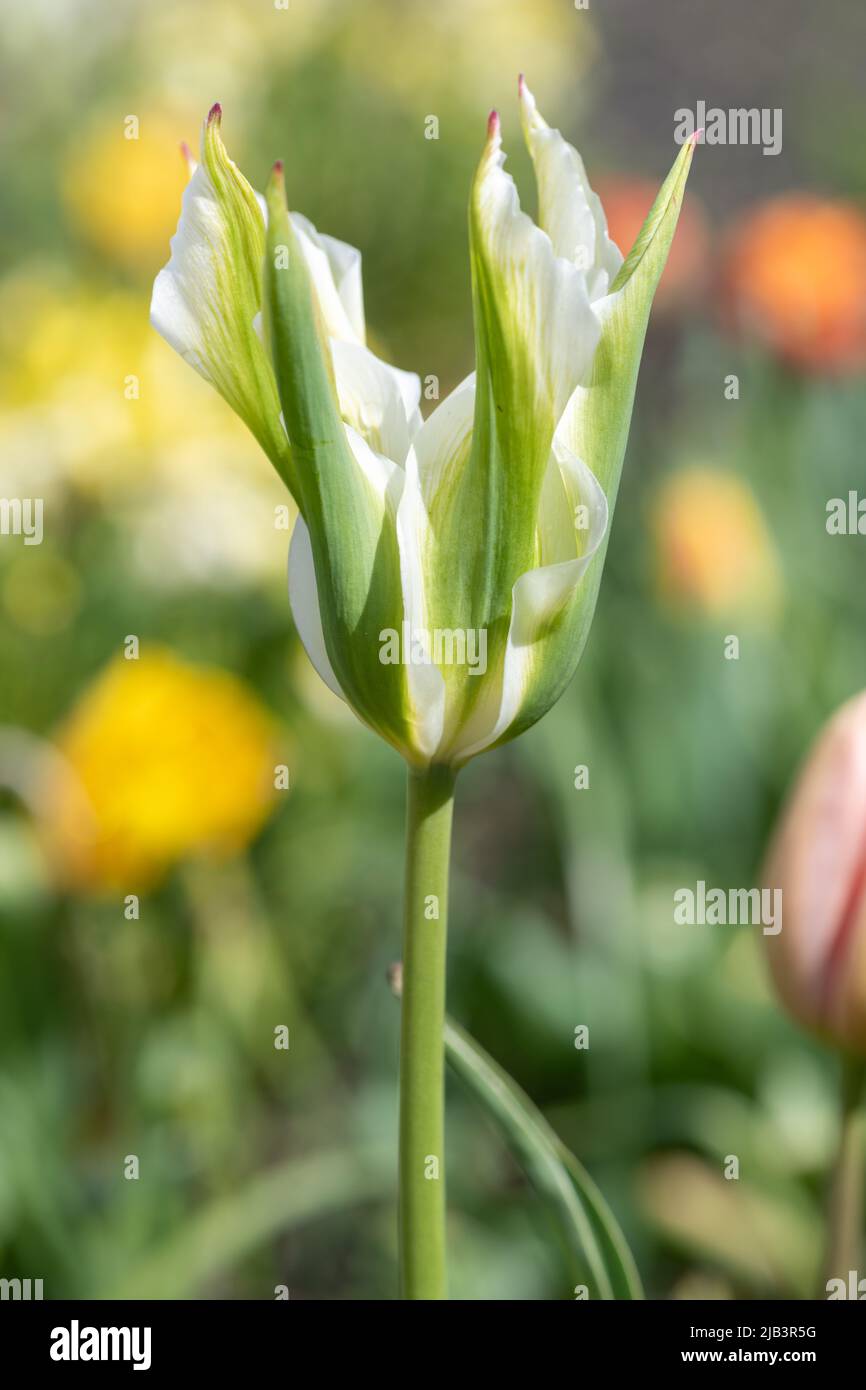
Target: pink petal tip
{"x": 215, "y": 113}
{"x": 694, "y": 139}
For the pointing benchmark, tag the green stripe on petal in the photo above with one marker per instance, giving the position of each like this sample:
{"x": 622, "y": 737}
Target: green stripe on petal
{"x": 206, "y": 300}
{"x": 347, "y": 494}
{"x": 550, "y": 617}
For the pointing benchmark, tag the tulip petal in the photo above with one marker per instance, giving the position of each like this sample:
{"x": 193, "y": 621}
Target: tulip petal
{"x": 425, "y": 688}
{"x": 568, "y": 210}
{"x": 376, "y": 399}
{"x": 205, "y": 300}
{"x": 379, "y": 401}
{"x": 817, "y": 862}
{"x": 347, "y": 494}
{"x": 442, "y": 449}
{"x": 335, "y": 270}
{"x": 535, "y": 336}
{"x": 596, "y": 424}
{"x": 553, "y": 604}
{"x": 550, "y": 622}
{"x": 304, "y": 602}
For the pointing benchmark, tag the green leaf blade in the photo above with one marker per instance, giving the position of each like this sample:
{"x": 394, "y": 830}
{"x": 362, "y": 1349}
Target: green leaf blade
{"x": 592, "y": 1234}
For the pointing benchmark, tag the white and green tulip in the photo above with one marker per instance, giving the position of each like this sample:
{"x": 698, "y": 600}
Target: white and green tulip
{"x": 443, "y": 573}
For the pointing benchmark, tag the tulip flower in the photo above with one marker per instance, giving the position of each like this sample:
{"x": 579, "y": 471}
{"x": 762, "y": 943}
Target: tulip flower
{"x": 818, "y": 860}
{"x": 818, "y": 960}
{"x": 442, "y": 574}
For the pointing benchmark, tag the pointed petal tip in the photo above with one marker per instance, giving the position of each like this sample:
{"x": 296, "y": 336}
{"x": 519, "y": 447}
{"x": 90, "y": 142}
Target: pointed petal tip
{"x": 695, "y": 139}
{"x": 215, "y": 114}
{"x": 493, "y": 125}
{"x": 187, "y": 153}
{"x": 530, "y": 118}
{"x": 276, "y": 182}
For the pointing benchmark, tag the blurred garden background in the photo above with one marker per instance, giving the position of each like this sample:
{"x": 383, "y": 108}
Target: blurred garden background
{"x": 152, "y": 1035}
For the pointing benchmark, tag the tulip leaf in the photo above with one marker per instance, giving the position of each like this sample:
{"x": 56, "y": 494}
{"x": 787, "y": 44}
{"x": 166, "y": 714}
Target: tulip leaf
{"x": 590, "y": 1230}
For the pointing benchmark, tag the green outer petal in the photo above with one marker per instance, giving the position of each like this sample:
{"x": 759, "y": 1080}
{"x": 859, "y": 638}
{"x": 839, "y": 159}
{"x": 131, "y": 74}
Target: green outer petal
{"x": 347, "y": 495}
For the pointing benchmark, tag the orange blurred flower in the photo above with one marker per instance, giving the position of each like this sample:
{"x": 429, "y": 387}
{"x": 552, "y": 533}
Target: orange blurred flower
{"x": 166, "y": 760}
{"x": 713, "y": 553}
{"x": 626, "y": 202}
{"x": 794, "y": 277}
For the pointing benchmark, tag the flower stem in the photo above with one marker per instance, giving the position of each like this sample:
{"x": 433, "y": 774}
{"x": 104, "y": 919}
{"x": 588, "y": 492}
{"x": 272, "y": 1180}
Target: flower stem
{"x": 845, "y": 1212}
{"x": 422, "y": 1052}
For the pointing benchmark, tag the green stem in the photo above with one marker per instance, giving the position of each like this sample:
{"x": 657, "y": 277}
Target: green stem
{"x": 422, "y": 1054}
{"x": 845, "y": 1212}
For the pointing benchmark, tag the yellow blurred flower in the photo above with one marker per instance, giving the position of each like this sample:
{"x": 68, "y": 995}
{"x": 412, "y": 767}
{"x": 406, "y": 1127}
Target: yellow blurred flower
{"x": 167, "y": 760}
{"x": 713, "y": 552}
{"x": 84, "y": 384}
{"x": 95, "y": 401}
{"x": 122, "y": 194}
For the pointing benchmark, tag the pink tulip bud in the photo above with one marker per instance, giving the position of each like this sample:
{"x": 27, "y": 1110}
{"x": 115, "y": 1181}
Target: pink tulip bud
{"x": 818, "y": 860}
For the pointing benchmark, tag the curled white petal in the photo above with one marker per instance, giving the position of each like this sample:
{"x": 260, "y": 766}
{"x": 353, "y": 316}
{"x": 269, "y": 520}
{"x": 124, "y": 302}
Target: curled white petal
{"x": 377, "y": 400}
{"x": 442, "y": 443}
{"x": 186, "y": 292}
{"x": 568, "y": 210}
{"x": 335, "y": 269}
{"x": 304, "y": 601}
{"x": 548, "y": 328}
